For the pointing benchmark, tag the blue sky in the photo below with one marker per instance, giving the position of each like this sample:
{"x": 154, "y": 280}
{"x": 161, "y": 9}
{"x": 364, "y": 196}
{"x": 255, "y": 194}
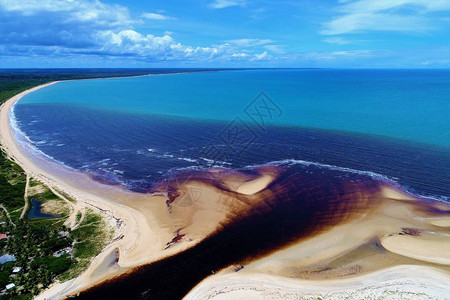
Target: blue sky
{"x": 225, "y": 33}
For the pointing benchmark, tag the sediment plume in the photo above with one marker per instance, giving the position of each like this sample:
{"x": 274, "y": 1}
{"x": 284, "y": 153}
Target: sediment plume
{"x": 295, "y": 221}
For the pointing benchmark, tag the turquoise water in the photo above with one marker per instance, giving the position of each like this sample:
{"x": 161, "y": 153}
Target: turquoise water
{"x": 406, "y": 104}
{"x": 387, "y": 124}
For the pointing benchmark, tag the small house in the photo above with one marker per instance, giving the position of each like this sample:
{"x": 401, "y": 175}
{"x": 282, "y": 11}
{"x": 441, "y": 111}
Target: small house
{"x": 66, "y": 250}
{"x": 63, "y": 234}
{"x": 7, "y": 258}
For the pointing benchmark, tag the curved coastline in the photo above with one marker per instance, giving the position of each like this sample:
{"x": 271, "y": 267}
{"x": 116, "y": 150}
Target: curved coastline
{"x": 132, "y": 231}
{"x": 138, "y": 238}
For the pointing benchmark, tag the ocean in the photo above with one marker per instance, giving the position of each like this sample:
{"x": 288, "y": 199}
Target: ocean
{"x": 392, "y": 125}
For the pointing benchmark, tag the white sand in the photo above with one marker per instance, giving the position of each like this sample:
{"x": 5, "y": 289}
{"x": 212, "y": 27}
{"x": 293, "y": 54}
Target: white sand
{"x": 254, "y": 186}
{"x": 400, "y": 282}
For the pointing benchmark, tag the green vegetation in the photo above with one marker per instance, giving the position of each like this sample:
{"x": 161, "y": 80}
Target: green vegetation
{"x": 90, "y": 238}
{"x": 78, "y": 217}
{"x": 12, "y": 185}
{"x": 33, "y": 246}
{"x": 44, "y": 249}
{"x": 5, "y": 271}
{"x": 51, "y": 203}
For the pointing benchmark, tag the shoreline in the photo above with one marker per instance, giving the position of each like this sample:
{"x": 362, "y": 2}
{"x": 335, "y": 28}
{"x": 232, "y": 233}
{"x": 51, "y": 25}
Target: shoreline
{"x": 13, "y": 151}
{"x": 139, "y": 235}
{"x": 132, "y": 231}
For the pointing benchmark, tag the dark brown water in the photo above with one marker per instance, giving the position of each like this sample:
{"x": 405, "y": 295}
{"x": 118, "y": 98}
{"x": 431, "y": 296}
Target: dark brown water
{"x": 301, "y": 202}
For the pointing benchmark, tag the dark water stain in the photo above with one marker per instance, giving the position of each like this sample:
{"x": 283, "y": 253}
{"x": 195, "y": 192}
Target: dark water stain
{"x": 35, "y": 211}
{"x": 299, "y": 203}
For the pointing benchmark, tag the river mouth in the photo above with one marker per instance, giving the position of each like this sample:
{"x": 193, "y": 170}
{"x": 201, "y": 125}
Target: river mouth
{"x": 302, "y": 203}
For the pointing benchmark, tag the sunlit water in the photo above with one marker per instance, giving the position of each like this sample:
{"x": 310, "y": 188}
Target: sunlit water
{"x": 389, "y": 124}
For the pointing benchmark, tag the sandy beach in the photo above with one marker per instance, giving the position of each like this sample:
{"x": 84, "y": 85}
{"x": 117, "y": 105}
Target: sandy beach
{"x": 394, "y": 283}
{"x": 134, "y": 239}
{"x": 381, "y": 243}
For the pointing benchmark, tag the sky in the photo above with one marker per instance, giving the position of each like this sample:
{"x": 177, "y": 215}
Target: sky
{"x": 225, "y": 33}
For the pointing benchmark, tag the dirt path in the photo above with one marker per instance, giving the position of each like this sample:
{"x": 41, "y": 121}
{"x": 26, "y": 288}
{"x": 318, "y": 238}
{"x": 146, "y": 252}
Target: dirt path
{"x": 25, "y": 198}
{"x": 83, "y": 214}
{"x": 74, "y": 208}
{"x": 7, "y": 214}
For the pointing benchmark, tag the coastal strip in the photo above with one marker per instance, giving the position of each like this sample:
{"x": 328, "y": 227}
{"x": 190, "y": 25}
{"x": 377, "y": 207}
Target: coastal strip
{"x": 131, "y": 228}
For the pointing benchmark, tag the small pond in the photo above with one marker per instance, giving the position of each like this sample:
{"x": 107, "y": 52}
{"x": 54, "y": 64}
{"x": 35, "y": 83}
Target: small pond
{"x": 35, "y": 211}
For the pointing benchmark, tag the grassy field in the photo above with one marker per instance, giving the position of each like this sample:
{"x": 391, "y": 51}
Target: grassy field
{"x": 51, "y": 204}
{"x": 12, "y": 187}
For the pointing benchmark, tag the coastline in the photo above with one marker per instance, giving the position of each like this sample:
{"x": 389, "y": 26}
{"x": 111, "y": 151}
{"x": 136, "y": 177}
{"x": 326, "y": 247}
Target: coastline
{"x": 139, "y": 237}
{"x": 133, "y": 235}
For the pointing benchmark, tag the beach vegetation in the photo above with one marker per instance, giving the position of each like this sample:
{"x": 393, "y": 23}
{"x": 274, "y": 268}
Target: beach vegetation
{"x": 50, "y": 203}
{"x": 12, "y": 185}
{"x": 44, "y": 249}
{"x": 90, "y": 238}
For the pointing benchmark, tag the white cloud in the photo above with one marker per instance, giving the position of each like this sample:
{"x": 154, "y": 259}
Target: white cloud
{"x": 217, "y": 4}
{"x": 155, "y": 16}
{"x": 275, "y": 48}
{"x": 336, "y": 40}
{"x": 435, "y": 62}
{"x": 249, "y": 42}
{"x": 49, "y": 28}
{"x": 363, "y": 22}
{"x": 385, "y": 15}
{"x": 260, "y": 56}
{"x": 74, "y": 11}
{"x": 380, "y": 5}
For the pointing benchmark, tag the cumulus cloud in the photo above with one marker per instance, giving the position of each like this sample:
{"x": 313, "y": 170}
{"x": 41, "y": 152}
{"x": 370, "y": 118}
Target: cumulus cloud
{"x": 385, "y": 15}
{"x": 217, "y": 4}
{"x": 58, "y": 22}
{"x": 82, "y": 27}
{"x": 130, "y": 42}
